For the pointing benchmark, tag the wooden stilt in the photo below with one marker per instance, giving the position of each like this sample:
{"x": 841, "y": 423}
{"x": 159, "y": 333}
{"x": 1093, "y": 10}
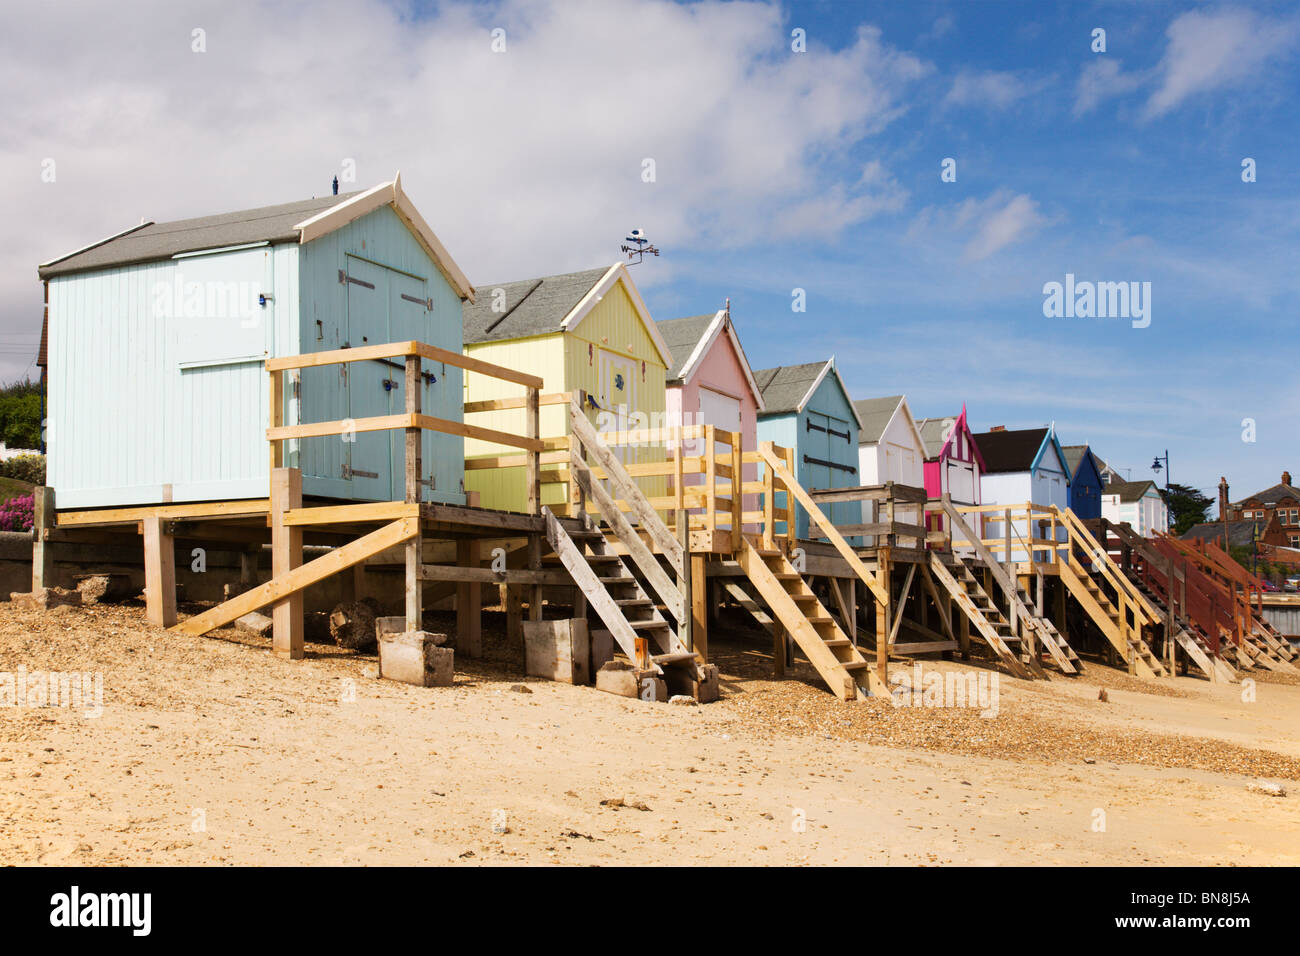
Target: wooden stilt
{"x": 779, "y": 650}
{"x": 699, "y": 609}
{"x": 286, "y": 555}
{"x": 414, "y": 584}
{"x": 42, "y": 552}
{"x": 159, "y": 573}
{"x": 882, "y": 615}
{"x": 469, "y": 604}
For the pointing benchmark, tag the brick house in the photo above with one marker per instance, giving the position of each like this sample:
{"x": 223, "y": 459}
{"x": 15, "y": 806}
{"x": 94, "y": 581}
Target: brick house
{"x": 1281, "y": 501}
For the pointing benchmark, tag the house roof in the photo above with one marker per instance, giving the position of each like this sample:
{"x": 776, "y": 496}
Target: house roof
{"x": 787, "y": 388}
{"x": 299, "y": 222}
{"x": 1270, "y": 496}
{"x": 151, "y": 241}
{"x": 691, "y": 338}
{"x": 1128, "y": 490}
{"x": 683, "y": 337}
{"x": 935, "y": 432}
{"x": 1011, "y": 450}
{"x": 527, "y": 307}
{"x": 1240, "y": 533}
{"x": 875, "y": 414}
{"x": 1074, "y": 457}
{"x": 558, "y": 303}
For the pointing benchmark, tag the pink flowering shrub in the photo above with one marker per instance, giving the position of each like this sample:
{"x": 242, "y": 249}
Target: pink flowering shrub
{"x": 16, "y": 514}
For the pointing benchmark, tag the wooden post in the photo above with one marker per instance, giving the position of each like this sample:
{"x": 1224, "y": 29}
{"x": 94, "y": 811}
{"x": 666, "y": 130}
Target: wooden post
{"x": 737, "y": 498}
{"x": 532, "y": 429}
{"x": 514, "y": 613}
{"x": 684, "y": 582}
{"x": 853, "y": 610}
{"x": 469, "y": 603}
{"x": 883, "y": 615}
{"x": 791, "y": 508}
{"x": 699, "y": 604}
{"x": 414, "y": 439}
{"x": 42, "y": 552}
{"x": 159, "y": 573}
{"x": 286, "y": 554}
{"x": 535, "y": 591}
{"x": 414, "y": 583}
{"x": 710, "y": 482}
{"x": 769, "y": 504}
{"x": 276, "y": 405}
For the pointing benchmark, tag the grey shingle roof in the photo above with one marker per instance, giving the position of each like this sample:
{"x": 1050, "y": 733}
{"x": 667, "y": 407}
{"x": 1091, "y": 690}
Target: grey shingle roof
{"x": 1240, "y": 533}
{"x": 1128, "y": 490}
{"x": 531, "y": 306}
{"x": 784, "y": 387}
{"x": 875, "y": 414}
{"x": 934, "y": 431}
{"x": 1271, "y": 496}
{"x": 681, "y": 336}
{"x": 162, "y": 240}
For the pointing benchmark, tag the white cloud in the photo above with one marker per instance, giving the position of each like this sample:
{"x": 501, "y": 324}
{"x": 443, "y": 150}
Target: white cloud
{"x": 524, "y": 162}
{"x": 1208, "y": 51}
{"x": 990, "y": 89}
{"x": 1102, "y": 79}
{"x": 981, "y": 226}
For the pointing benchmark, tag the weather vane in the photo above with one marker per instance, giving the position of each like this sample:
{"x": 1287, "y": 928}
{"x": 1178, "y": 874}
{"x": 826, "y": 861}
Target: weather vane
{"x": 640, "y": 246}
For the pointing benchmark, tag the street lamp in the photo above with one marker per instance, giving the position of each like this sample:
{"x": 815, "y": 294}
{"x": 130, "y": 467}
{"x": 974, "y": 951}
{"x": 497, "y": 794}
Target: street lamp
{"x": 1155, "y": 466}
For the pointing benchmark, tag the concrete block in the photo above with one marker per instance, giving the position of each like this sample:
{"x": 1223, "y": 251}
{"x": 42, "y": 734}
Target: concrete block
{"x": 255, "y": 623}
{"x": 45, "y": 598}
{"x": 416, "y": 657}
{"x": 557, "y": 650}
{"x": 626, "y": 680}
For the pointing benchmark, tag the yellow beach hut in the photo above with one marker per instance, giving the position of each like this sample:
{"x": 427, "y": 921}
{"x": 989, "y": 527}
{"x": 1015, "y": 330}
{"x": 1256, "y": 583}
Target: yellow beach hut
{"x": 586, "y": 332}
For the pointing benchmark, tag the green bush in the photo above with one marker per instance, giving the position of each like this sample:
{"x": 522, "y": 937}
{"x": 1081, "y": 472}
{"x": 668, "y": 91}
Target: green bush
{"x": 30, "y": 468}
{"x": 20, "y": 415}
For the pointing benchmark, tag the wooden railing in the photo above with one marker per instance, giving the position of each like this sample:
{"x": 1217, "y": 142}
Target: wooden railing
{"x": 412, "y": 420}
{"x": 889, "y": 499}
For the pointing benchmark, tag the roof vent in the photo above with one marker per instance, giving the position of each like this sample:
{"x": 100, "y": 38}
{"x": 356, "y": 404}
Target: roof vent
{"x": 336, "y": 185}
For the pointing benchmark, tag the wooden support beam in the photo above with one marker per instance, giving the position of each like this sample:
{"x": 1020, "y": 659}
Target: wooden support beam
{"x": 319, "y": 569}
{"x": 287, "y": 633}
{"x": 469, "y": 603}
{"x": 533, "y": 472}
{"x": 414, "y": 436}
{"x": 882, "y": 594}
{"x": 42, "y": 553}
{"x": 699, "y": 606}
{"x": 159, "y": 574}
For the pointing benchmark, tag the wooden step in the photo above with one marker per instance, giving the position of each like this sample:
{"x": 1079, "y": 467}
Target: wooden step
{"x": 671, "y": 658}
{"x": 635, "y": 602}
{"x": 646, "y": 625}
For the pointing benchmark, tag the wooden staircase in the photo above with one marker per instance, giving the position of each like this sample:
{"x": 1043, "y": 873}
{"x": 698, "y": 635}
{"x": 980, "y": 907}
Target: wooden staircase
{"x": 840, "y": 663}
{"x": 1126, "y": 639}
{"x": 1076, "y": 568}
{"x": 614, "y": 593}
{"x": 1057, "y": 647}
{"x": 990, "y": 623}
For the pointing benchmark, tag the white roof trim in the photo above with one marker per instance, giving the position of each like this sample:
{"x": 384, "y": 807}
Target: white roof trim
{"x": 618, "y": 273}
{"x": 830, "y": 367}
{"x": 95, "y": 245}
{"x": 916, "y": 432}
{"x": 388, "y": 194}
{"x": 705, "y": 343}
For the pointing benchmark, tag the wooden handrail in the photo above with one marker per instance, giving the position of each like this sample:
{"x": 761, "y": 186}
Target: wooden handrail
{"x": 424, "y": 350}
{"x": 815, "y": 513}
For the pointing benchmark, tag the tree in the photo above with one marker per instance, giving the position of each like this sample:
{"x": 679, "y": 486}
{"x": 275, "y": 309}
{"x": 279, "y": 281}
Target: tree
{"x": 1187, "y": 506}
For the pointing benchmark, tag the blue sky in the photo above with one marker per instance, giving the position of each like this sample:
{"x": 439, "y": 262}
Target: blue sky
{"x": 774, "y": 170}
